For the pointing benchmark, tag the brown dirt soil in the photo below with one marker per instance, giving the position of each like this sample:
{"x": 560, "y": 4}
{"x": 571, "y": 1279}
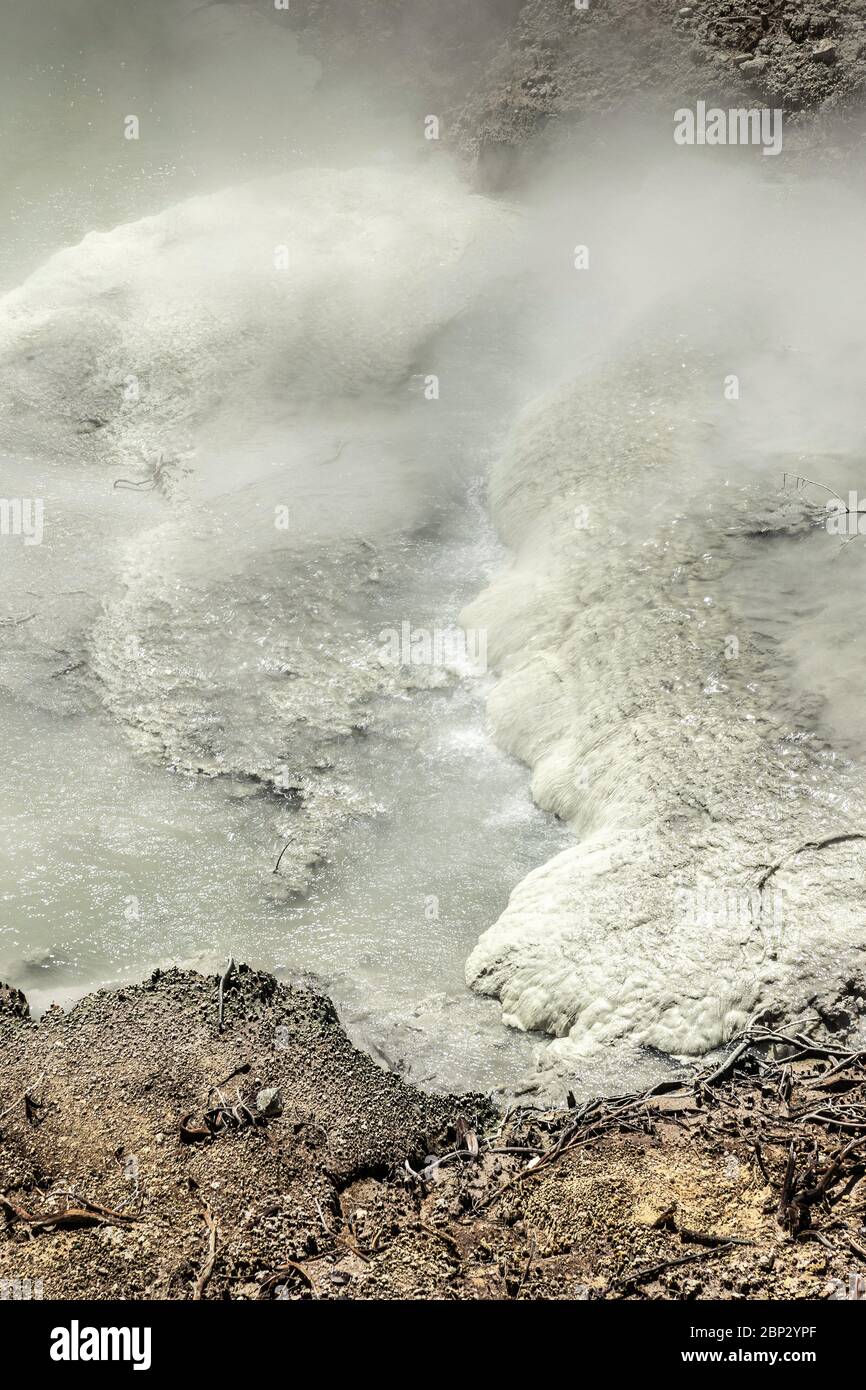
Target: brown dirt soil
{"x": 339, "y": 1195}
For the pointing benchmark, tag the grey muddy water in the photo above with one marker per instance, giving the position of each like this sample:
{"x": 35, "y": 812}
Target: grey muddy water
{"x": 259, "y": 387}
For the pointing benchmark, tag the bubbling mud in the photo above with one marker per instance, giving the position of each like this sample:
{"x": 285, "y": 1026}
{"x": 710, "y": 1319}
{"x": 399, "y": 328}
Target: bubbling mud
{"x": 257, "y": 423}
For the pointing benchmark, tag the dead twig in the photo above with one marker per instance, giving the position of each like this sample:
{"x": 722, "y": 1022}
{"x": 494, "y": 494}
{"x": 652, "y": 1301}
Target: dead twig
{"x": 814, "y": 1194}
{"x": 210, "y": 1258}
{"x": 276, "y": 868}
{"x": 444, "y": 1237}
{"x": 242, "y": 1070}
{"x": 728, "y": 1065}
{"x": 223, "y": 982}
{"x": 86, "y": 1214}
{"x": 524, "y": 1276}
{"x": 26, "y": 1098}
{"x": 759, "y": 1159}
{"x": 787, "y": 1187}
{"x": 642, "y": 1276}
{"x": 705, "y": 1238}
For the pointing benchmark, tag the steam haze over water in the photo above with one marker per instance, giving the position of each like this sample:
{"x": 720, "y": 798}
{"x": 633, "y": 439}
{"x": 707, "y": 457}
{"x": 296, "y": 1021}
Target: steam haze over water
{"x": 287, "y": 382}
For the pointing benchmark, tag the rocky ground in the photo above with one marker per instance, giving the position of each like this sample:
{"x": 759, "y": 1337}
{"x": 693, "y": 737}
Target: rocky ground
{"x": 506, "y": 76}
{"x": 148, "y": 1153}
{"x": 558, "y": 63}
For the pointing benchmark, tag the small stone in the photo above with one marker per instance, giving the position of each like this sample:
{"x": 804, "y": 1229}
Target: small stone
{"x": 754, "y": 67}
{"x": 824, "y": 52}
{"x": 269, "y": 1101}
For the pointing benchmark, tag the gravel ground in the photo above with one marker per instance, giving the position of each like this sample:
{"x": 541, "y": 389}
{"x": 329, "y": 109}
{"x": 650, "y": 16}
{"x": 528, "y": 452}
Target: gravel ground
{"x": 134, "y": 1165}
{"x": 506, "y": 75}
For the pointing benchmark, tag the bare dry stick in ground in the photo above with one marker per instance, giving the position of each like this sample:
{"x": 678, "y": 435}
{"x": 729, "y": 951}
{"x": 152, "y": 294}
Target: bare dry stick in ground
{"x": 23, "y": 1097}
{"x": 87, "y": 1214}
{"x": 210, "y": 1258}
{"x": 223, "y": 982}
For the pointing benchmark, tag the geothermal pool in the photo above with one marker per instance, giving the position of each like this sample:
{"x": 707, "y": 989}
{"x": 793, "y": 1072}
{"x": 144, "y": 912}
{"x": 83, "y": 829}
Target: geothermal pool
{"x": 282, "y": 412}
